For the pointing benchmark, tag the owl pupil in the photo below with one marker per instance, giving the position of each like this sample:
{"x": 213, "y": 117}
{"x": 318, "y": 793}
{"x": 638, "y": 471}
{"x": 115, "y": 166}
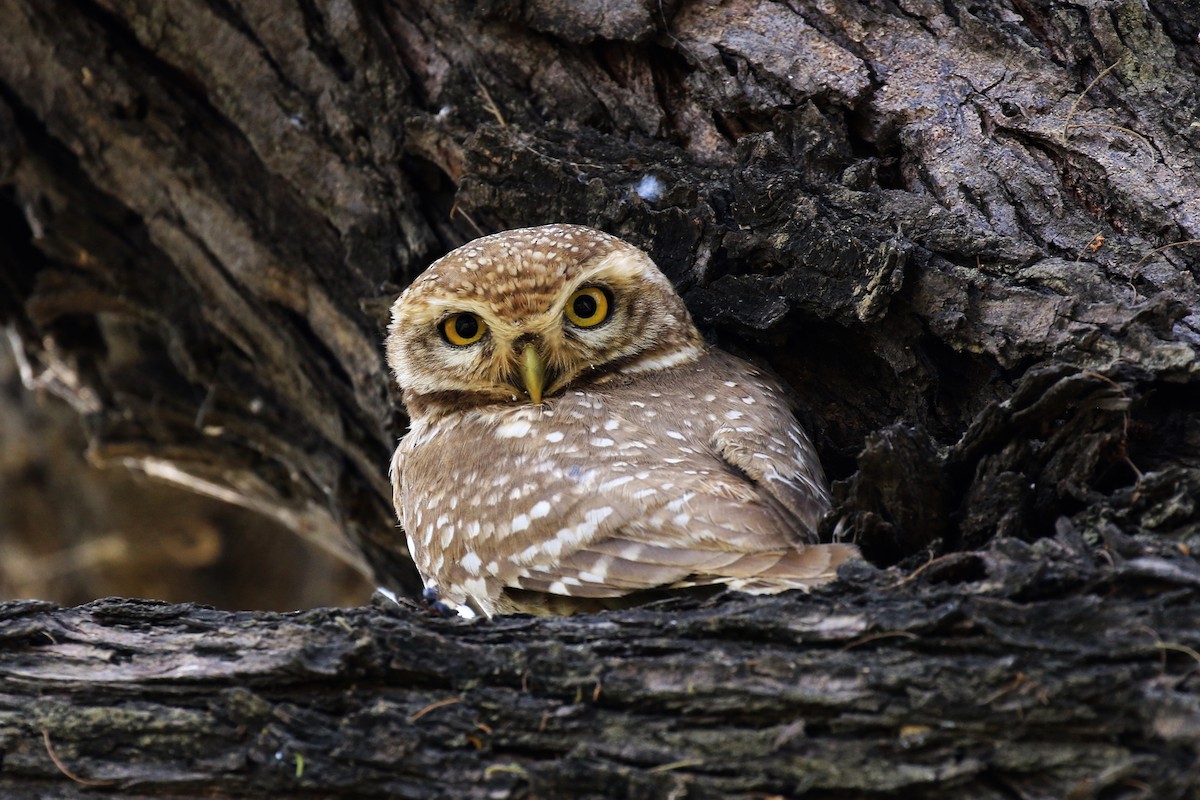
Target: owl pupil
{"x": 466, "y": 326}
{"x": 584, "y": 306}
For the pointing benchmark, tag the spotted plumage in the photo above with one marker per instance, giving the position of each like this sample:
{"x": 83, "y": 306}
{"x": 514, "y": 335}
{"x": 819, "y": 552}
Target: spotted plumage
{"x": 574, "y": 442}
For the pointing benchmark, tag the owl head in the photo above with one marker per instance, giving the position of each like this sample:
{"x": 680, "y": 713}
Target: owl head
{"x": 524, "y": 314}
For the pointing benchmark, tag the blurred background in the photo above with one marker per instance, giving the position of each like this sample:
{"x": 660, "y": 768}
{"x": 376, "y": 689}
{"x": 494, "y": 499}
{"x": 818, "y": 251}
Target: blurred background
{"x": 71, "y": 532}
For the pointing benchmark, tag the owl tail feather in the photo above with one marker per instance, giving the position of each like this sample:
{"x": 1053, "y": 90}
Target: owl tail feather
{"x": 804, "y": 568}
{"x": 753, "y": 573}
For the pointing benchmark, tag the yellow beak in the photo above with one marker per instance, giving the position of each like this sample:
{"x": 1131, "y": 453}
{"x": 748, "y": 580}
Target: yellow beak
{"x": 533, "y": 373}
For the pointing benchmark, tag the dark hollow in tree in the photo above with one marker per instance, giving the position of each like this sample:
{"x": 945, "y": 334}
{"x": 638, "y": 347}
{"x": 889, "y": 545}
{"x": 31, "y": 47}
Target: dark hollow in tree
{"x": 965, "y": 235}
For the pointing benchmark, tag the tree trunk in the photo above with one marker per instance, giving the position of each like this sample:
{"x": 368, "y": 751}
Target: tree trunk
{"x": 965, "y": 235}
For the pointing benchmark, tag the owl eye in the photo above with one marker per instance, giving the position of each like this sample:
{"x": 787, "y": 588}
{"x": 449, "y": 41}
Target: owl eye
{"x": 461, "y": 330}
{"x": 588, "y": 307}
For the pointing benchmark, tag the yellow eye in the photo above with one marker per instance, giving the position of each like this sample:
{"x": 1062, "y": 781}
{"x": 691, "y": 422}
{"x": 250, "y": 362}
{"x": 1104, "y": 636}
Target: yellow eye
{"x": 461, "y": 330}
{"x": 588, "y": 307}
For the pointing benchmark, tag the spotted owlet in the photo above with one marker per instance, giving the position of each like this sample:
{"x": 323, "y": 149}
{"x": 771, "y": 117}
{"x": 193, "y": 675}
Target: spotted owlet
{"x": 574, "y": 440}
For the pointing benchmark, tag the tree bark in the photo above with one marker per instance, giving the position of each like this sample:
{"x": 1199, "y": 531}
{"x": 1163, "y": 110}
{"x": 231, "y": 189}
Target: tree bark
{"x": 969, "y": 680}
{"x": 965, "y": 235}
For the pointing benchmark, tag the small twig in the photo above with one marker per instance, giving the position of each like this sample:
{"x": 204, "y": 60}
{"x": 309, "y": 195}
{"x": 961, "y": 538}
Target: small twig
{"x": 1156, "y": 250}
{"x": 1017, "y": 683}
{"x": 1124, "y": 443}
{"x": 1067, "y": 125}
{"x": 1149, "y": 144}
{"x": 454, "y": 209}
{"x": 578, "y": 165}
{"x": 509, "y": 769}
{"x": 667, "y": 30}
{"x": 877, "y": 636}
{"x": 1099, "y": 376}
{"x": 205, "y": 405}
{"x": 912, "y": 576}
{"x": 681, "y": 764}
{"x": 63, "y": 767}
{"x": 1178, "y": 648}
{"x": 1086, "y": 89}
{"x": 1164, "y": 647}
{"x": 449, "y": 701}
{"x": 489, "y": 105}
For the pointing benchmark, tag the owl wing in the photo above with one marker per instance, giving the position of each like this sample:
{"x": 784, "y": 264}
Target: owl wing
{"x": 719, "y": 530}
{"x": 602, "y": 500}
{"x": 784, "y": 468}
{"x": 744, "y": 514}
{"x": 740, "y": 514}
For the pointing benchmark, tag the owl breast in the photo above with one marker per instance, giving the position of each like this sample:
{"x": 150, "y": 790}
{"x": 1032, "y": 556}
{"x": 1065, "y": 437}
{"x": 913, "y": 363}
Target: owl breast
{"x": 687, "y": 476}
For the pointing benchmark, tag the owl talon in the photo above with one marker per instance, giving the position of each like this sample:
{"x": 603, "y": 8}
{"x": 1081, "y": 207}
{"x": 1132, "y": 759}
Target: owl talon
{"x": 429, "y": 599}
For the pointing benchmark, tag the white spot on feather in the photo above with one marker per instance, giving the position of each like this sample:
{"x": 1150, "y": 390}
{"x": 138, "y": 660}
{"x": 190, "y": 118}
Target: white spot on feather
{"x": 513, "y": 430}
{"x": 614, "y": 483}
{"x": 598, "y": 515}
{"x": 678, "y": 503}
{"x": 477, "y": 588}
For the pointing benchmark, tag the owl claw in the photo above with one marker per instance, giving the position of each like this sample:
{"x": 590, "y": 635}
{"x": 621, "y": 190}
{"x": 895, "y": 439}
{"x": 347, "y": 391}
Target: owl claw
{"x": 429, "y": 598}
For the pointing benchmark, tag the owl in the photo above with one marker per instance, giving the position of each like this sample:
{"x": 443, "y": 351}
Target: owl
{"x": 576, "y": 445}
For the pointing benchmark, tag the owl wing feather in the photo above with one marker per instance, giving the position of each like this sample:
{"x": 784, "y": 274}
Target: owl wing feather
{"x": 603, "y": 520}
{"x": 744, "y": 523}
{"x": 787, "y": 473}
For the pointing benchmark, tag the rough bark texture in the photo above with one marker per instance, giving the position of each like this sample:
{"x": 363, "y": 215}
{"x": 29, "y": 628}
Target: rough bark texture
{"x": 970, "y": 680}
{"x": 965, "y": 234}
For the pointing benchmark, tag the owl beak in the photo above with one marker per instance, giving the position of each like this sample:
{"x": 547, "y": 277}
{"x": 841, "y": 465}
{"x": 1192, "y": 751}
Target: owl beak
{"x": 533, "y": 373}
